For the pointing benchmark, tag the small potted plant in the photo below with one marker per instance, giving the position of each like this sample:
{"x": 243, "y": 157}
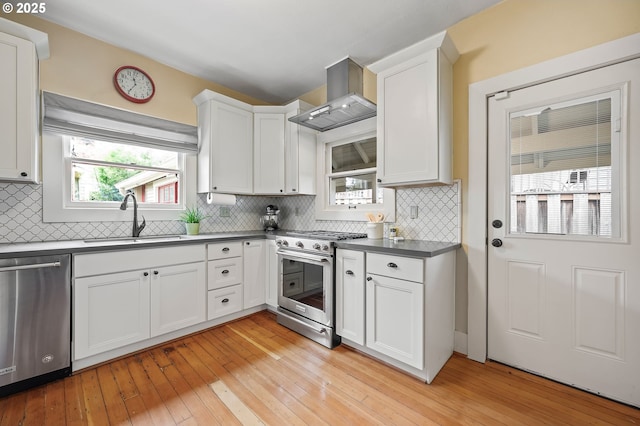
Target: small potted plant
{"x": 192, "y": 217}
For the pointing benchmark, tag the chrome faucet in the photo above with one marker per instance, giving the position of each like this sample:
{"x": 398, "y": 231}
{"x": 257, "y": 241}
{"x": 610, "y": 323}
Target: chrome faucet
{"x": 136, "y": 229}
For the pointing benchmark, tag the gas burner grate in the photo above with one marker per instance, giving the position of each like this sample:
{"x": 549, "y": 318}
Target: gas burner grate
{"x": 329, "y": 235}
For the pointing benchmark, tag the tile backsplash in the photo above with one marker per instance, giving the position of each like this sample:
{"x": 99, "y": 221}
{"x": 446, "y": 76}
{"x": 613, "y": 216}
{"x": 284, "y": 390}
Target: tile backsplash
{"x": 438, "y": 217}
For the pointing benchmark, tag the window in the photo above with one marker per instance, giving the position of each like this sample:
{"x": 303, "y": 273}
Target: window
{"x": 347, "y": 184}
{"x": 564, "y": 161}
{"x": 93, "y": 155}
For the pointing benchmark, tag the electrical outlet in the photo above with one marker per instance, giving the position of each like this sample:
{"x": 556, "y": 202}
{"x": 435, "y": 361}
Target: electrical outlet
{"x": 225, "y": 211}
{"x": 413, "y": 212}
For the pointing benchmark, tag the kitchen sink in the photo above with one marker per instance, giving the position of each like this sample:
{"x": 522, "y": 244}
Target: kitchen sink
{"x": 145, "y": 239}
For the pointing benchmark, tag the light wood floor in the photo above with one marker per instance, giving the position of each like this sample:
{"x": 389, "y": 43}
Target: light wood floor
{"x": 254, "y": 371}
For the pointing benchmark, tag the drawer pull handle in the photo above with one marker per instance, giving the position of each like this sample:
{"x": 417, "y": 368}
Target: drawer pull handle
{"x": 392, "y": 265}
{"x": 226, "y": 249}
{"x": 225, "y": 300}
{"x": 226, "y": 271}
{"x": 292, "y": 284}
{"x": 349, "y": 272}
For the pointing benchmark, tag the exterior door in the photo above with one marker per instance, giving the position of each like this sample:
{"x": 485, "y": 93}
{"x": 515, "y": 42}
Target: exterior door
{"x": 564, "y": 230}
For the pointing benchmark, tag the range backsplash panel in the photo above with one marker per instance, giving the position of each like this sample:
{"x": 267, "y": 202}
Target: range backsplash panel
{"x": 438, "y": 218}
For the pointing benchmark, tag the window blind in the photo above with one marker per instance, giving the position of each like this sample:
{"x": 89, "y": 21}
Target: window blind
{"x": 76, "y": 117}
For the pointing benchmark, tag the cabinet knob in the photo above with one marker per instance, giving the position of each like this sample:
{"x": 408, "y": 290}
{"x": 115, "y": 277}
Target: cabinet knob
{"x": 293, "y": 190}
{"x": 379, "y": 180}
{"x": 225, "y": 300}
{"x": 155, "y": 272}
{"x": 369, "y": 278}
{"x": 281, "y": 190}
{"x": 349, "y": 272}
{"x": 23, "y": 174}
{"x": 146, "y": 274}
{"x": 392, "y": 265}
{"x": 215, "y": 187}
{"x": 226, "y": 271}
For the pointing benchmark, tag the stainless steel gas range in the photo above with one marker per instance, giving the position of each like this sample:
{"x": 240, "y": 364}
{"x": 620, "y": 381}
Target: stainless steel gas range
{"x": 306, "y": 290}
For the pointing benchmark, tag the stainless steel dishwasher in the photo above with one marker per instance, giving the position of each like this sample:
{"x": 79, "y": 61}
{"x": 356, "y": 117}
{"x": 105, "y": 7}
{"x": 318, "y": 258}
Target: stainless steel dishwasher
{"x": 35, "y": 321}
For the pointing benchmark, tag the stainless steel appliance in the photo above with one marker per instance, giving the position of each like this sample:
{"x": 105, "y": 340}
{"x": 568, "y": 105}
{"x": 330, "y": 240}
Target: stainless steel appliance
{"x": 35, "y": 321}
{"x": 269, "y": 220}
{"x": 306, "y": 291}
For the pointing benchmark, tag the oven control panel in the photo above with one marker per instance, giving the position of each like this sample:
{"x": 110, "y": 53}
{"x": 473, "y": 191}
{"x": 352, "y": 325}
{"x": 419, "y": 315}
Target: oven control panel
{"x": 305, "y": 245}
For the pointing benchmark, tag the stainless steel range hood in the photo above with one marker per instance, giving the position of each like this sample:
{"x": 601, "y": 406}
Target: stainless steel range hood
{"x": 346, "y": 104}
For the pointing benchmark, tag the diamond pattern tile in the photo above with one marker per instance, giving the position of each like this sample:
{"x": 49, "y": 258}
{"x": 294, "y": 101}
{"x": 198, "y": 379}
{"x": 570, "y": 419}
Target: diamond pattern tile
{"x": 439, "y": 216}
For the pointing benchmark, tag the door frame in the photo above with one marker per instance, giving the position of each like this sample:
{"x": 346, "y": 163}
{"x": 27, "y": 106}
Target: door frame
{"x": 609, "y": 53}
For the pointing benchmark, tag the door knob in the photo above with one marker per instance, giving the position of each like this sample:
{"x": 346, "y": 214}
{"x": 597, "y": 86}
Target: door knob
{"x": 497, "y": 224}
{"x": 496, "y": 242}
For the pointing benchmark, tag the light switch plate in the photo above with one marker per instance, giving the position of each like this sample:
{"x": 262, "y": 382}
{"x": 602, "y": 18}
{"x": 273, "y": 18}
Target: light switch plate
{"x": 413, "y": 212}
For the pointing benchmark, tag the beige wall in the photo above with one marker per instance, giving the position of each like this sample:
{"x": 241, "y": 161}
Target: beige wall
{"x": 83, "y": 67}
{"x": 515, "y": 34}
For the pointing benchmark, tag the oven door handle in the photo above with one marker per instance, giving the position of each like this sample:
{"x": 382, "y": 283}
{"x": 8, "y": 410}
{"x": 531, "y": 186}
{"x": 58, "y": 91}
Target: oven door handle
{"x": 304, "y": 257}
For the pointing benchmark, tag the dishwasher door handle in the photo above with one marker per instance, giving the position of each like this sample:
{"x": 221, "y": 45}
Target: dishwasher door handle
{"x": 33, "y": 266}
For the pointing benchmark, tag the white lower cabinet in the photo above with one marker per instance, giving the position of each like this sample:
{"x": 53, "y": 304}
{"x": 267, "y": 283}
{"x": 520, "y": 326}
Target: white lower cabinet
{"x": 350, "y": 295}
{"x": 396, "y": 319}
{"x": 177, "y": 297}
{"x": 110, "y": 311}
{"x": 271, "y": 273}
{"x": 118, "y": 303}
{"x": 254, "y": 273}
{"x": 399, "y": 309}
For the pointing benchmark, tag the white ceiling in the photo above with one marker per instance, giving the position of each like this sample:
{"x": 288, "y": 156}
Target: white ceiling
{"x": 273, "y": 50}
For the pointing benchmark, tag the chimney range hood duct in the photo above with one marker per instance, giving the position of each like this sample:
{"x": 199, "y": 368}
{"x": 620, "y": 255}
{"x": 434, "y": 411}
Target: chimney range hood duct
{"x": 346, "y": 104}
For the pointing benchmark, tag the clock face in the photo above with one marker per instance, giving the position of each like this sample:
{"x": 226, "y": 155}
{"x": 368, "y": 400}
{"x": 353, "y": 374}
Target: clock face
{"x": 134, "y": 84}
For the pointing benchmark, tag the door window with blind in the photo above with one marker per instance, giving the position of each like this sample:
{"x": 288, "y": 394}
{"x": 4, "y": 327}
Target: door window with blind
{"x": 565, "y": 168}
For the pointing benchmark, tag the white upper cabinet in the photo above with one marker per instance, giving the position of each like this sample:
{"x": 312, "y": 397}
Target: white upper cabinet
{"x": 19, "y": 101}
{"x": 300, "y": 153}
{"x": 414, "y": 130}
{"x": 246, "y": 149}
{"x": 225, "y": 144}
{"x": 268, "y": 151}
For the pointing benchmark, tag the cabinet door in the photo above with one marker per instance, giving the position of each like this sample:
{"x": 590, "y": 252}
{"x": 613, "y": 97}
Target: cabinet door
{"x": 300, "y": 158}
{"x": 110, "y": 311}
{"x": 231, "y": 149}
{"x": 268, "y": 153}
{"x": 350, "y": 299}
{"x": 254, "y": 273}
{"x": 408, "y": 116}
{"x": 18, "y": 111}
{"x": 177, "y": 297}
{"x": 272, "y": 274}
{"x": 395, "y": 319}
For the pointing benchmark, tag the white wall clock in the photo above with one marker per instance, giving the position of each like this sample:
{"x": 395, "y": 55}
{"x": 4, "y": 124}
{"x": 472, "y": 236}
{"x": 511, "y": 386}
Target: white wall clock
{"x": 134, "y": 84}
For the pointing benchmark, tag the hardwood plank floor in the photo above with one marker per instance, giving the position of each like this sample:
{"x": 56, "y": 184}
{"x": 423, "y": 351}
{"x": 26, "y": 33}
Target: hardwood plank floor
{"x": 253, "y": 371}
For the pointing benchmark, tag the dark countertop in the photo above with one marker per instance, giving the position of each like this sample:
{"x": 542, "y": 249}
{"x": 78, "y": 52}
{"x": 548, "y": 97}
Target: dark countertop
{"x": 418, "y": 248}
{"x": 408, "y": 247}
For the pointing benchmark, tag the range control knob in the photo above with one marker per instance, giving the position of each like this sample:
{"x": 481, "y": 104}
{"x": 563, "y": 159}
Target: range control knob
{"x": 285, "y": 243}
{"x": 316, "y": 246}
{"x": 278, "y": 243}
{"x": 325, "y": 247}
{"x": 299, "y": 244}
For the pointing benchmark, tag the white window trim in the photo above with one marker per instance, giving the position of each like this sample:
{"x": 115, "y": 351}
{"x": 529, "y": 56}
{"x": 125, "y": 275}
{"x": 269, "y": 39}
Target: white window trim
{"x": 604, "y": 54}
{"x": 324, "y": 211}
{"x": 55, "y": 188}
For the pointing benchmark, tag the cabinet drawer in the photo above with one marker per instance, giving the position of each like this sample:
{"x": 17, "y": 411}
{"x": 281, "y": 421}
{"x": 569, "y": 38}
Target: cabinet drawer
{"x": 292, "y": 284}
{"x": 403, "y": 268}
{"x": 224, "y": 272}
{"x": 224, "y": 250}
{"x": 224, "y": 301}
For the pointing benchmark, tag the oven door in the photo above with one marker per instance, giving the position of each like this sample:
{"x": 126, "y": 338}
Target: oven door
{"x": 306, "y": 285}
